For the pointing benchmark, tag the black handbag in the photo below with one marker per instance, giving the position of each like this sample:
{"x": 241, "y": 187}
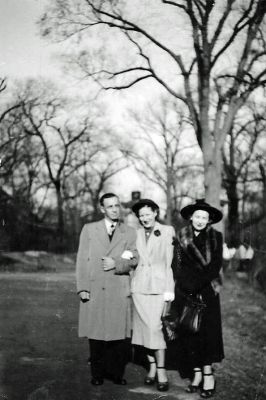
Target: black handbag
{"x": 191, "y": 315}
{"x": 169, "y": 323}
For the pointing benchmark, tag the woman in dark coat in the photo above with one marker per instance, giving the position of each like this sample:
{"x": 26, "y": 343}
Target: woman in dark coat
{"x": 197, "y": 272}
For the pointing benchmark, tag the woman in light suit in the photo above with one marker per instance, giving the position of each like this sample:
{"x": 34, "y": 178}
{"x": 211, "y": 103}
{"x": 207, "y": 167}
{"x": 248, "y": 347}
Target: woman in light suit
{"x": 152, "y": 286}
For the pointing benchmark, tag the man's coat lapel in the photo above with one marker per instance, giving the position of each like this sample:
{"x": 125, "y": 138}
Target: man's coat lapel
{"x": 102, "y": 234}
{"x": 118, "y": 236}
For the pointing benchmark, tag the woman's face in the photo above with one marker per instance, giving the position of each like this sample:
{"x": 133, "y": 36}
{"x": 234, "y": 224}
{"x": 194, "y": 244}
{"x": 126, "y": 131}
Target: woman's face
{"x": 200, "y": 219}
{"x": 147, "y": 217}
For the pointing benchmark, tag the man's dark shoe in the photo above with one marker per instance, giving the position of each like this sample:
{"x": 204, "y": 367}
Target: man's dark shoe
{"x": 119, "y": 381}
{"x": 97, "y": 381}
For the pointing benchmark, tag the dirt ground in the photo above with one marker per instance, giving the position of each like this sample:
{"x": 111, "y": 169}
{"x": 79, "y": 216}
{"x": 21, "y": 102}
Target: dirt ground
{"x": 41, "y": 357}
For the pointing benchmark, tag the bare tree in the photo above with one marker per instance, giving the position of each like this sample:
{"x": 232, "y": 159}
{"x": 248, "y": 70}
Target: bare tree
{"x": 239, "y": 160}
{"x": 213, "y": 88}
{"x": 92, "y": 176}
{"x": 6, "y": 158}
{"x": 262, "y": 165}
{"x": 160, "y": 154}
{"x": 44, "y": 120}
{"x": 20, "y": 163}
{"x": 9, "y": 107}
{"x": 253, "y": 194}
{"x": 54, "y": 155}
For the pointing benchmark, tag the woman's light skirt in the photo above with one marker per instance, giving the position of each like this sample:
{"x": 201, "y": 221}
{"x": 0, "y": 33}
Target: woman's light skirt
{"x": 147, "y": 325}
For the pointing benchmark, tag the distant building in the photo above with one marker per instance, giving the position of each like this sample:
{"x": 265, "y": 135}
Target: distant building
{"x": 129, "y": 217}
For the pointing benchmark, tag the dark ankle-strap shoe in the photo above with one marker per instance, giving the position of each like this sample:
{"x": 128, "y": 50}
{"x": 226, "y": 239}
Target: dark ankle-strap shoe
{"x": 194, "y": 388}
{"x": 150, "y": 380}
{"x": 162, "y": 386}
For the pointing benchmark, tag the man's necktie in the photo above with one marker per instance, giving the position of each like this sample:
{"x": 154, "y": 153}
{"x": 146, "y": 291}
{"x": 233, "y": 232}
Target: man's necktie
{"x": 111, "y": 232}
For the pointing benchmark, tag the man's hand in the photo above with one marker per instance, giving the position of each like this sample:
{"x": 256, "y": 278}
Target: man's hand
{"x": 108, "y": 263}
{"x": 84, "y": 296}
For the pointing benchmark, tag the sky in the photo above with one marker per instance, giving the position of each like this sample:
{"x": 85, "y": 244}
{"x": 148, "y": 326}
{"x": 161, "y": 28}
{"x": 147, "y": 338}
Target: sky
{"x": 22, "y": 51}
{"x": 23, "y": 54}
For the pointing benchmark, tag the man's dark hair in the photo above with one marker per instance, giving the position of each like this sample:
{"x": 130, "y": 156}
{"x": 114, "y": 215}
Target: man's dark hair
{"x": 107, "y": 196}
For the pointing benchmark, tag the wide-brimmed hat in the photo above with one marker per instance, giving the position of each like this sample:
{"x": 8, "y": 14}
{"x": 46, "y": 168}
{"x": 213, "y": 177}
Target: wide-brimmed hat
{"x": 200, "y": 204}
{"x": 144, "y": 202}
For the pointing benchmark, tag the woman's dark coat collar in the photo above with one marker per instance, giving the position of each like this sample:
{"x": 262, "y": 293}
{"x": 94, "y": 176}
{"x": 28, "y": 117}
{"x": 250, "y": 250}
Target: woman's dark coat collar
{"x": 185, "y": 239}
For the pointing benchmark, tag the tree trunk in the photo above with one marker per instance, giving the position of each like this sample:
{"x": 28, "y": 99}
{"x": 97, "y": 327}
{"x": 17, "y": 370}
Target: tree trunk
{"x": 169, "y": 206}
{"x": 213, "y": 178}
{"x": 212, "y": 157}
{"x": 212, "y": 173}
{"x": 233, "y": 214}
{"x": 95, "y": 203}
{"x": 60, "y": 216}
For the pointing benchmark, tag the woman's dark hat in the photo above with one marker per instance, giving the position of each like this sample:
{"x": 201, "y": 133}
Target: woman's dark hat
{"x": 215, "y": 214}
{"x": 144, "y": 202}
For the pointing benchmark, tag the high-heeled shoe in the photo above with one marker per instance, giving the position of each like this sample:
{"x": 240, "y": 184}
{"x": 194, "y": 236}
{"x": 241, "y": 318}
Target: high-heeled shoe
{"x": 150, "y": 380}
{"x": 194, "y": 388}
{"x": 162, "y": 386}
{"x": 207, "y": 393}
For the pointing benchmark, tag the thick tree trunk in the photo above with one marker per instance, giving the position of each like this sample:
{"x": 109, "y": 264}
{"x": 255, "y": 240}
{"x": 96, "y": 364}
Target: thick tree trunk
{"x": 212, "y": 157}
{"x": 212, "y": 173}
{"x": 213, "y": 178}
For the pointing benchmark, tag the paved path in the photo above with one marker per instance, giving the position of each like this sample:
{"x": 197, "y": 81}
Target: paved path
{"x": 41, "y": 357}
{"x": 135, "y": 390}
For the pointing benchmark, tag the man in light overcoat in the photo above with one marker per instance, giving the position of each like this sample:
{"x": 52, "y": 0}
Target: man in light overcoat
{"x": 107, "y": 253}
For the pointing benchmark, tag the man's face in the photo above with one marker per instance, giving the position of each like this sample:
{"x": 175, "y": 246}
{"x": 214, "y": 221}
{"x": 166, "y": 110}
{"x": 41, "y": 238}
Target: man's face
{"x": 111, "y": 208}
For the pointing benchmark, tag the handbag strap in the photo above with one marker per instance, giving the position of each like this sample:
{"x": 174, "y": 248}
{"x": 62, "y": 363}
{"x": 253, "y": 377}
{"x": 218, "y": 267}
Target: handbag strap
{"x": 166, "y": 308}
{"x": 196, "y": 300}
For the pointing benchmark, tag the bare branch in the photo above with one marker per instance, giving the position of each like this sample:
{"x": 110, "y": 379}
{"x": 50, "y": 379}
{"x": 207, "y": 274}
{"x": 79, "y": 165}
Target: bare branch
{"x": 2, "y": 85}
{"x": 173, "y": 3}
{"x": 239, "y": 26}
{"x": 127, "y": 25}
{"x": 6, "y": 112}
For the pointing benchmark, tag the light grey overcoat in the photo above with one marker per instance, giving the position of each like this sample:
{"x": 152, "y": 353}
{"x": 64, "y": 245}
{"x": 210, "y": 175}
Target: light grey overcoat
{"x": 107, "y": 315}
{"x": 154, "y": 274}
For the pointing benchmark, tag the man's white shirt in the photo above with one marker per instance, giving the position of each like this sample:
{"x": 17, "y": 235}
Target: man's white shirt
{"x": 108, "y": 225}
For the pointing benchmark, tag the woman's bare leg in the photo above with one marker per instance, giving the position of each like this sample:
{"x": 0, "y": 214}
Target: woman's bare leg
{"x": 208, "y": 382}
{"x": 152, "y": 365}
{"x": 160, "y": 360}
